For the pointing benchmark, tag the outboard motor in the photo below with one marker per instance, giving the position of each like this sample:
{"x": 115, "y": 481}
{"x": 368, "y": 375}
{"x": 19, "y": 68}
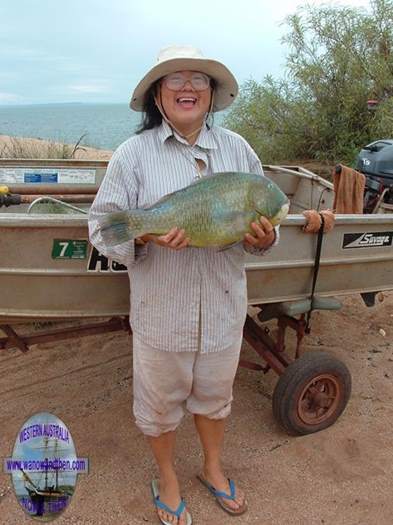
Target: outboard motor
{"x": 376, "y": 162}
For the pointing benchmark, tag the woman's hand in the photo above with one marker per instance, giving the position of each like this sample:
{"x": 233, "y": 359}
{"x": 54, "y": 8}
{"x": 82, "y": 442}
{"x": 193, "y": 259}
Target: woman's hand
{"x": 264, "y": 234}
{"x": 175, "y": 239}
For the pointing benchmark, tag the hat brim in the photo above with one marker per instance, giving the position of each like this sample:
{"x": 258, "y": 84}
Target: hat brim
{"x": 226, "y": 86}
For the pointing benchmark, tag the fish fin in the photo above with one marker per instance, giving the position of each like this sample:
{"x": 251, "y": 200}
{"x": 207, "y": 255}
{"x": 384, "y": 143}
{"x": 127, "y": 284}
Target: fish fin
{"x": 227, "y": 246}
{"x": 119, "y": 227}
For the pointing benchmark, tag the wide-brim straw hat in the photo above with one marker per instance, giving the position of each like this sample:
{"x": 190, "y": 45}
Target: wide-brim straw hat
{"x": 183, "y": 58}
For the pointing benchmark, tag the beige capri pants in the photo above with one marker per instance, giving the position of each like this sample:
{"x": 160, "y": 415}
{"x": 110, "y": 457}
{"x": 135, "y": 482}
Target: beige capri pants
{"x": 164, "y": 382}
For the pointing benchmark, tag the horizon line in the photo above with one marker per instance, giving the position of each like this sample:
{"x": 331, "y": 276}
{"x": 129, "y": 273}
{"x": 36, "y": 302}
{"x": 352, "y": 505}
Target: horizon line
{"x": 13, "y": 104}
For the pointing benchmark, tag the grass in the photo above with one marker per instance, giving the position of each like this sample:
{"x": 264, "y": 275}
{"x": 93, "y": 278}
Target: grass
{"x": 17, "y": 148}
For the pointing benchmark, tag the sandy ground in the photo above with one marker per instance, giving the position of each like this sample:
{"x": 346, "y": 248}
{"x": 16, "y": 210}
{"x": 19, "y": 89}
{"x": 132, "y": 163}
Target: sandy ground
{"x": 39, "y": 148}
{"x": 341, "y": 476}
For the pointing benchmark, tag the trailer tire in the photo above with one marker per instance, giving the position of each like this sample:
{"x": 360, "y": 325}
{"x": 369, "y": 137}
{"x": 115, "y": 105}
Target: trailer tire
{"x": 311, "y": 394}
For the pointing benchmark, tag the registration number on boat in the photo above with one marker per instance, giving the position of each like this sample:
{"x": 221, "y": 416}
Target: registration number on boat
{"x": 69, "y": 249}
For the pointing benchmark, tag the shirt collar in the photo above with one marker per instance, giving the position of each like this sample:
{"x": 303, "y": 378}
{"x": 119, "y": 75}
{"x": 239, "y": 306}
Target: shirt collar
{"x": 164, "y": 131}
{"x": 205, "y": 139}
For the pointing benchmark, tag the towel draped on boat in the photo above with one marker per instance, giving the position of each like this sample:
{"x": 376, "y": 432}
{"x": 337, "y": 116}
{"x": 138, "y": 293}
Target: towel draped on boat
{"x": 348, "y": 190}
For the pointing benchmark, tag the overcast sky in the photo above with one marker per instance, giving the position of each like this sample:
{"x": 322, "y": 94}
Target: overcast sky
{"x": 97, "y": 50}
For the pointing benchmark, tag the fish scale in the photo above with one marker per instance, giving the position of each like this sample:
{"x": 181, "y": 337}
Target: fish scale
{"x": 213, "y": 211}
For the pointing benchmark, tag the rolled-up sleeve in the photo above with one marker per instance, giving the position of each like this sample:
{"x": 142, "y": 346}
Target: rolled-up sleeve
{"x": 118, "y": 192}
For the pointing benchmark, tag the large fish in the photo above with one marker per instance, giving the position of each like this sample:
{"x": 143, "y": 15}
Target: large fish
{"x": 214, "y": 211}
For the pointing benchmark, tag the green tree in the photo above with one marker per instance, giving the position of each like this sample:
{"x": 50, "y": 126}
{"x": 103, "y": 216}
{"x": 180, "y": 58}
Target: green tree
{"x": 338, "y": 58}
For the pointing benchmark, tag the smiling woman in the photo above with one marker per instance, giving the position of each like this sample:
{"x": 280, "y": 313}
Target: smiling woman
{"x": 188, "y": 304}
{"x": 187, "y": 99}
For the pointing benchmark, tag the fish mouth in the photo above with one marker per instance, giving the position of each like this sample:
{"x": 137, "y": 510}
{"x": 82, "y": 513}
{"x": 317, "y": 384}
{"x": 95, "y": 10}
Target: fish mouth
{"x": 280, "y": 216}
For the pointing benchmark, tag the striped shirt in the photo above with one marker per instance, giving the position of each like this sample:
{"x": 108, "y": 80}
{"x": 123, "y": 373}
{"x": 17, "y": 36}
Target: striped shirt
{"x": 190, "y": 298}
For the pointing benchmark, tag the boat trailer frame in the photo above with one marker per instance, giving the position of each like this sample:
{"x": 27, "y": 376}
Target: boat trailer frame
{"x": 302, "y": 402}
{"x": 259, "y": 338}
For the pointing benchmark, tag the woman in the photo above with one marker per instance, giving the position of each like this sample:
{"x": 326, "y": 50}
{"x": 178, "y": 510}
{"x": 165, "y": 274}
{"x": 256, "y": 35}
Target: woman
{"x": 188, "y": 305}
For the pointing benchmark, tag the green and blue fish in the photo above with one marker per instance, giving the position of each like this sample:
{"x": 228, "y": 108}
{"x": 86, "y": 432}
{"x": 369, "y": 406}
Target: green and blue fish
{"x": 214, "y": 211}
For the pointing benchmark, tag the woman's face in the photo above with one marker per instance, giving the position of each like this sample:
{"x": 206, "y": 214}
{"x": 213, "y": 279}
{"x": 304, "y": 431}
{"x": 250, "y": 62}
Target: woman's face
{"x": 185, "y": 105}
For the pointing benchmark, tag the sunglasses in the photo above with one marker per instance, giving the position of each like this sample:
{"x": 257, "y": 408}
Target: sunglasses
{"x": 177, "y": 81}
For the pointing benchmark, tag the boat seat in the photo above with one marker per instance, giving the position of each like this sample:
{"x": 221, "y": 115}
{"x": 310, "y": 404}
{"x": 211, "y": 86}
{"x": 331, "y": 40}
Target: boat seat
{"x": 292, "y": 308}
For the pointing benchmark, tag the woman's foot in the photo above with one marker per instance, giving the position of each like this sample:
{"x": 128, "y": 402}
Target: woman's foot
{"x": 169, "y": 492}
{"x": 215, "y": 477}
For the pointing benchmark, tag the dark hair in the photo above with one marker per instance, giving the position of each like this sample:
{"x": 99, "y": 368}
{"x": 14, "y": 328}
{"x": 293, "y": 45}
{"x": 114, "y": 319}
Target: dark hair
{"x": 151, "y": 114}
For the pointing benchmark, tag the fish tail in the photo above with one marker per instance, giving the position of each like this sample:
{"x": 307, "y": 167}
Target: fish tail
{"x": 121, "y": 226}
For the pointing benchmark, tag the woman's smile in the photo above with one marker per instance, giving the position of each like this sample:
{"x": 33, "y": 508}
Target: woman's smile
{"x": 186, "y": 101}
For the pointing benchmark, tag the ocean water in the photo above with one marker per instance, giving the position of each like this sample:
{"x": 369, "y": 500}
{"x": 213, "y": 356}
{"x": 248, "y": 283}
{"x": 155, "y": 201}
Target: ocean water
{"x": 104, "y": 125}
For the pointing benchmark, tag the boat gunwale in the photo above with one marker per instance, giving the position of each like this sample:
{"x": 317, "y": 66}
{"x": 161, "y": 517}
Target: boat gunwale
{"x": 14, "y": 220}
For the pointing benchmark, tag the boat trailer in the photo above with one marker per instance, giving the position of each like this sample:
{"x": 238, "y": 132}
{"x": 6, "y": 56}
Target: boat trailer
{"x": 313, "y": 389}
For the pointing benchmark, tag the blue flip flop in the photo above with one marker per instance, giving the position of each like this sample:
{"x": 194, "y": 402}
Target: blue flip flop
{"x": 222, "y": 496}
{"x": 161, "y": 505}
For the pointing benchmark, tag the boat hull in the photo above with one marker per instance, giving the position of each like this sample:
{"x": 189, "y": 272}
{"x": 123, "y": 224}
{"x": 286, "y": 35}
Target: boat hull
{"x": 34, "y": 285}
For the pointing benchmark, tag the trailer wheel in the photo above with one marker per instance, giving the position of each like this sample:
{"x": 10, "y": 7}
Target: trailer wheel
{"x": 311, "y": 393}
